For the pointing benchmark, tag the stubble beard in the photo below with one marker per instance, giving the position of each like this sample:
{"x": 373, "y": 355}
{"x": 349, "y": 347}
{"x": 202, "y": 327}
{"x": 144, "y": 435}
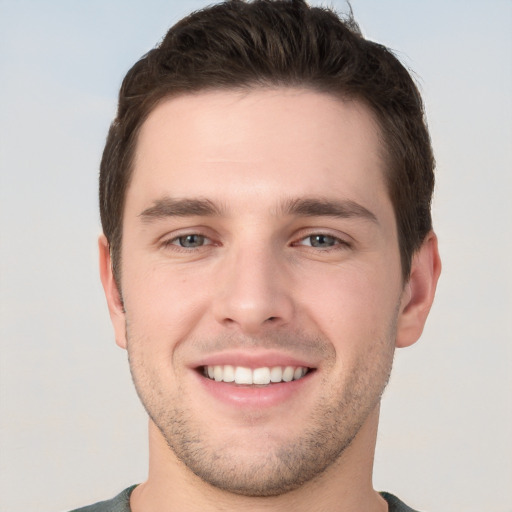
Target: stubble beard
{"x": 280, "y": 467}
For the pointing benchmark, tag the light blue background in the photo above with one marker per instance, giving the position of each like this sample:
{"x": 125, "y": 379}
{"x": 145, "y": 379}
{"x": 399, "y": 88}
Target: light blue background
{"x": 72, "y": 430}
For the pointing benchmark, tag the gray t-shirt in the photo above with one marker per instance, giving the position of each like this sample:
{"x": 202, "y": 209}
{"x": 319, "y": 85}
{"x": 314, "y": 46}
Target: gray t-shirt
{"x": 121, "y": 503}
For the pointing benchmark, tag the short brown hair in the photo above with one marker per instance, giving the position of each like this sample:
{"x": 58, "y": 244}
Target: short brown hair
{"x": 272, "y": 43}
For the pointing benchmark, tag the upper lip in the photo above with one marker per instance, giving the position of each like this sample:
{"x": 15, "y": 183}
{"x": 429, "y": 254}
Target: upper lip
{"x": 253, "y": 360}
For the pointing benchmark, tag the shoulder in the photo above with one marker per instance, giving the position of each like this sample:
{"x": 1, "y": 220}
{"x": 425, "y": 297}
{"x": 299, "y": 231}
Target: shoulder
{"x": 396, "y": 505}
{"x": 121, "y": 503}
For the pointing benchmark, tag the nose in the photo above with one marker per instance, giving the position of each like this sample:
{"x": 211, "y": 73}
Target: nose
{"x": 254, "y": 292}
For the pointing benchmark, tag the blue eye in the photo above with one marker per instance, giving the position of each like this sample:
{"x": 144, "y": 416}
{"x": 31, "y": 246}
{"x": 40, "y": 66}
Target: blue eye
{"x": 321, "y": 241}
{"x": 190, "y": 241}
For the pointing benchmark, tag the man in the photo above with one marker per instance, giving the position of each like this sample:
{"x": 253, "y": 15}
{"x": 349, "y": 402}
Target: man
{"x": 265, "y": 198}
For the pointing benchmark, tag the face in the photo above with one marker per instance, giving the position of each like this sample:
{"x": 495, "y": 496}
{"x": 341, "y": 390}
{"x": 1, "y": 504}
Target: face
{"x": 261, "y": 282}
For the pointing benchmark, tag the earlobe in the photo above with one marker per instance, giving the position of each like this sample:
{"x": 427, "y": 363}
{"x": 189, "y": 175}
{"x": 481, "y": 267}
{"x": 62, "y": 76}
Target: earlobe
{"x": 112, "y": 293}
{"x": 418, "y": 293}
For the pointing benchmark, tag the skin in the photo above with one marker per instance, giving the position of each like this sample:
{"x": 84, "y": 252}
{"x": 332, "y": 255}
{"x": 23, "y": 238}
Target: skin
{"x": 263, "y": 278}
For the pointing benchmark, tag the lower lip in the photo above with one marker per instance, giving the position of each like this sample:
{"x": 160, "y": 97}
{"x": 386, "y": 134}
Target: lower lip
{"x": 254, "y": 396}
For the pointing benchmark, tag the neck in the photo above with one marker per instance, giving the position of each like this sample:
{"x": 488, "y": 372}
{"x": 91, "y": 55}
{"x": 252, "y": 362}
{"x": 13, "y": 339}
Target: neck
{"x": 345, "y": 486}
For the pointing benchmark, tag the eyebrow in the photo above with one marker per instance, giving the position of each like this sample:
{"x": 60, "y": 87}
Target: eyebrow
{"x": 323, "y": 207}
{"x": 301, "y": 207}
{"x": 172, "y": 207}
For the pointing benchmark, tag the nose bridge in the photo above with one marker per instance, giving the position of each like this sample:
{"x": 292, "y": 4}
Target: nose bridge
{"x": 252, "y": 290}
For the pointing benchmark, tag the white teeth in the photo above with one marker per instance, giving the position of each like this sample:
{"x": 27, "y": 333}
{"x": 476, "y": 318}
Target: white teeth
{"x": 218, "y": 373}
{"x": 261, "y": 376}
{"x": 243, "y": 375}
{"x": 229, "y": 373}
{"x": 288, "y": 374}
{"x": 258, "y": 376}
{"x": 276, "y": 374}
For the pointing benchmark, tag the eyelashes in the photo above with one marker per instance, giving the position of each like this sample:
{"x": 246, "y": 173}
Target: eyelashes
{"x": 192, "y": 241}
{"x": 196, "y": 241}
{"x": 322, "y": 241}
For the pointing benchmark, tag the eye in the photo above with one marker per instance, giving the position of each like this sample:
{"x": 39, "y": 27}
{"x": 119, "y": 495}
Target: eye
{"x": 191, "y": 241}
{"x": 321, "y": 241}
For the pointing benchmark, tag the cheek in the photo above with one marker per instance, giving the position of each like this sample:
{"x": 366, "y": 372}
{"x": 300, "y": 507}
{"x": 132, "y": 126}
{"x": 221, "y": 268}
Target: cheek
{"x": 162, "y": 303}
{"x": 352, "y": 305}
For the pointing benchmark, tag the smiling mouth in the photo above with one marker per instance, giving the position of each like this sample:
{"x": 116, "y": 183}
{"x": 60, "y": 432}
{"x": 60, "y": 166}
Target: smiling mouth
{"x": 254, "y": 376}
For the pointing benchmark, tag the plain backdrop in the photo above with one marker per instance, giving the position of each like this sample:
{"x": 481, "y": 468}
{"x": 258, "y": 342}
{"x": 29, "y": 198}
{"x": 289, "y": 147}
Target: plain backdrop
{"x": 72, "y": 431}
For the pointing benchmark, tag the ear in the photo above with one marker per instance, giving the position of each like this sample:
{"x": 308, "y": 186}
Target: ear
{"x": 418, "y": 293}
{"x": 112, "y": 294}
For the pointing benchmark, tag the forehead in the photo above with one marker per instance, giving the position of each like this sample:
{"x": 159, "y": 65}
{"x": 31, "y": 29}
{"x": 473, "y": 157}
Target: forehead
{"x": 223, "y": 144}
